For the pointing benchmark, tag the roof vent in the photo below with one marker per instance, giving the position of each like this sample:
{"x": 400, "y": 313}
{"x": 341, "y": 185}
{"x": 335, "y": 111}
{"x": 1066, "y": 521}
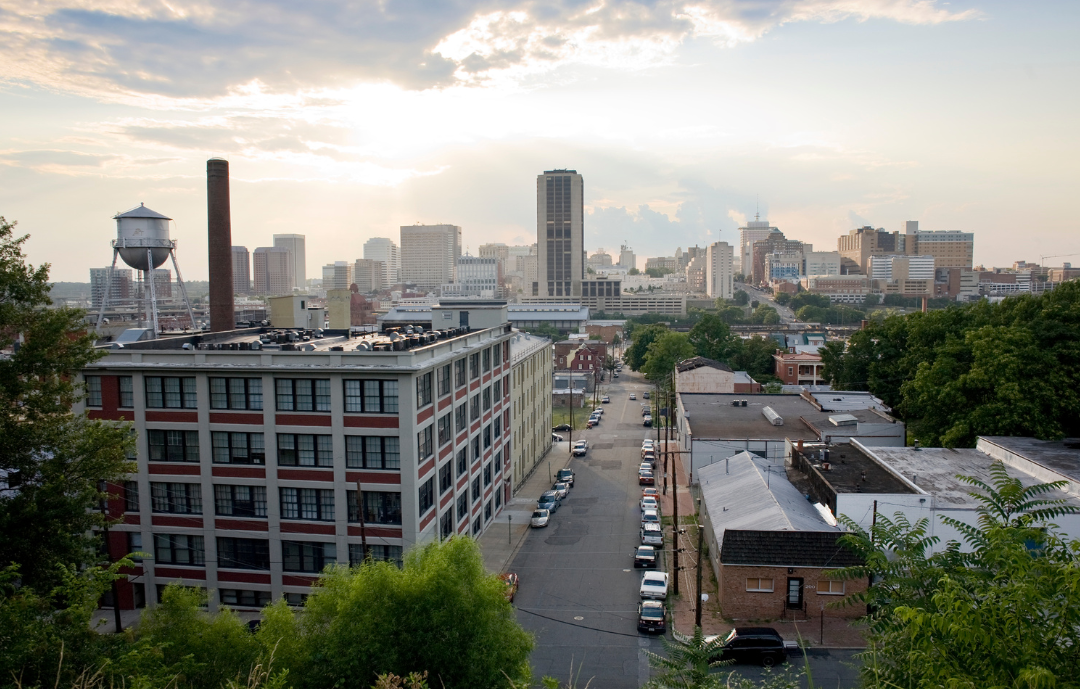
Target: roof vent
{"x": 843, "y": 420}
{"x": 774, "y": 418}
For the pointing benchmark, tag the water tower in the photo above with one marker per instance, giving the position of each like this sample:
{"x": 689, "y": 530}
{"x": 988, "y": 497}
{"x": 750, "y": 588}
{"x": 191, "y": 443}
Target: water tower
{"x": 142, "y": 241}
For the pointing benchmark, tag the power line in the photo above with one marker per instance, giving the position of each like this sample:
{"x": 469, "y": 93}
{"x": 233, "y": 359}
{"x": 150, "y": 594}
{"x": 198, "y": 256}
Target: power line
{"x": 580, "y": 626}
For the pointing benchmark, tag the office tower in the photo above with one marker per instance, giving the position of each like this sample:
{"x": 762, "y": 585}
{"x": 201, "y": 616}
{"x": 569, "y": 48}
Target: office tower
{"x": 385, "y": 250}
{"x": 627, "y": 259}
{"x": 755, "y": 231}
{"x": 720, "y": 270}
{"x": 369, "y": 275}
{"x": 900, "y": 267}
{"x": 337, "y": 275}
{"x": 774, "y": 242}
{"x": 950, "y": 248}
{"x": 241, "y": 270}
{"x": 560, "y": 237}
{"x": 600, "y": 259}
{"x": 429, "y": 254}
{"x": 821, "y": 263}
{"x": 121, "y": 285}
{"x": 295, "y": 244}
{"x": 162, "y": 282}
{"x": 272, "y": 267}
{"x": 858, "y": 245}
{"x": 476, "y": 277}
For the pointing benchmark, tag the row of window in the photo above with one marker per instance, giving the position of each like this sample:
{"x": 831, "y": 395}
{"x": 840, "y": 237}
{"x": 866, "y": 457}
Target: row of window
{"x": 253, "y": 553}
{"x": 380, "y": 507}
{"x": 825, "y": 587}
{"x": 294, "y": 449}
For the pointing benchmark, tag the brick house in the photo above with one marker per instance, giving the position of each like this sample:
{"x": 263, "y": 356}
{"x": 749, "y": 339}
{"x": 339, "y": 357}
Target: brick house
{"x": 581, "y": 350}
{"x": 699, "y": 374}
{"x": 799, "y": 368}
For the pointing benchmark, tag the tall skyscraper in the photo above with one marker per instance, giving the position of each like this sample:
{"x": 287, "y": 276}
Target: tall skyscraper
{"x": 241, "y": 270}
{"x": 429, "y": 254}
{"x": 295, "y": 244}
{"x": 755, "y": 230}
{"x": 560, "y": 236}
{"x": 720, "y": 270}
{"x": 337, "y": 275}
{"x": 385, "y": 250}
{"x": 272, "y": 267}
{"x": 122, "y": 286}
{"x": 369, "y": 275}
{"x": 627, "y": 259}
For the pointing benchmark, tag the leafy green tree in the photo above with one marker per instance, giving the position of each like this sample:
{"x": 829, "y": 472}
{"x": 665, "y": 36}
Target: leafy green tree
{"x": 802, "y": 299}
{"x": 755, "y": 356}
{"x": 730, "y": 314}
{"x": 783, "y": 299}
{"x": 441, "y": 613}
{"x": 871, "y": 299}
{"x": 545, "y": 330}
{"x": 633, "y": 271}
{"x": 664, "y": 352}
{"x": 754, "y": 304}
{"x": 56, "y": 458}
{"x": 642, "y": 337}
{"x": 1002, "y": 609}
{"x": 712, "y": 338}
{"x": 741, "y": 298}
{"x": 688, "y": 663}
{"x": 764, "y": 314}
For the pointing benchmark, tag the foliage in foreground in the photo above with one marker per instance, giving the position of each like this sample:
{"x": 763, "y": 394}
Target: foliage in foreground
{"x": 1000, "y": 610}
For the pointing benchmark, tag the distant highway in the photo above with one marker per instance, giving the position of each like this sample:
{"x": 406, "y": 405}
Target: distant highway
{"x": 786, "y": 314}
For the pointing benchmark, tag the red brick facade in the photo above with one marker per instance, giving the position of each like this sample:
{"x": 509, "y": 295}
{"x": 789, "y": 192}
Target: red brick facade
{"x": 737, "y": 603}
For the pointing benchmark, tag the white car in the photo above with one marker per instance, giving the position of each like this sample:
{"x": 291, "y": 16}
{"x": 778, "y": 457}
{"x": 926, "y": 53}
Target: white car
{"x": 633, "y": 396}
{"x": 645, "y": 466}
{"x": 540, "y": 518}
{"x": 598, "y": 410}
{"x": 561, "y": 489}
{"x": 648, "y": 502}
{"x": 654, "y": 585}
{"x": 556, "y": 438}
{"x": 581, "y": 447}
{"x": 651, "y": 534}
{"x": 650, "y": 517}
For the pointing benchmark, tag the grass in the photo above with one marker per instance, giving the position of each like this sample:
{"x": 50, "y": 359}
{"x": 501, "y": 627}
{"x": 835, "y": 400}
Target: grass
{"x": 561, "y": 415}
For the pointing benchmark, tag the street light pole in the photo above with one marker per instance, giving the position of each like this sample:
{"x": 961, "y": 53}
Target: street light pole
{"x": 700, "y": 557}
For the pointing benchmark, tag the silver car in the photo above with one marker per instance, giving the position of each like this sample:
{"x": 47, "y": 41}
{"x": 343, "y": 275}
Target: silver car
{"x": 540, "y": 518}
{"x": 561, "y": 489}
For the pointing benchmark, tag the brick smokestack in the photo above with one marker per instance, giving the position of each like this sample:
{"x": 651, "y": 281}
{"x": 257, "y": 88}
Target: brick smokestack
{"x": 219, "y": 245}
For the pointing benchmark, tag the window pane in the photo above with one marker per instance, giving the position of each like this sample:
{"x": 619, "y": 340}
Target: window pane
{"x": 372, "y": 400}
{"x": 353, "y": 401}
{"x": 390, "y": 396}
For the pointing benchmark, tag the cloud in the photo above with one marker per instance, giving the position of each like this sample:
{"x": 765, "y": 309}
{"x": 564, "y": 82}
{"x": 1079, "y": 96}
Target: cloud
{"x": 124, "y": 49}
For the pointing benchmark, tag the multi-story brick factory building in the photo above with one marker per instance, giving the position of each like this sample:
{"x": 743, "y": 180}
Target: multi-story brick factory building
{"x": 253, "y": 445}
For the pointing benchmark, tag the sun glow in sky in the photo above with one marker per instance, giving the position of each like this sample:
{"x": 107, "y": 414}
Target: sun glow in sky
{"x": 345, "y": 120}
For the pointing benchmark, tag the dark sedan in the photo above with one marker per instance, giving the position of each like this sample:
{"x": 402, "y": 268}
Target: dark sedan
{"x": 645, "y": 557}
{"x": 762, "y": 645}
{"x": 651, "y": 617}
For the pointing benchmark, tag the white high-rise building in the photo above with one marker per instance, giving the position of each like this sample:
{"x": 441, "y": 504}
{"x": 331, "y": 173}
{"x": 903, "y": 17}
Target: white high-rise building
{"x": 241, "y": 270}
{"x": 897, "y": 267}
{"x": 429, "y": 254}
{"x": 821, "y": 263}
{"x": 295, "y": 244}
{"x": 476, "y": 277}
{"x": 719, "y": 271}
{"x": 385, "y": 250}
{"x": 560, "y": 237}
{"x": 627, "y": 259}
{"x": 755, "y": 231}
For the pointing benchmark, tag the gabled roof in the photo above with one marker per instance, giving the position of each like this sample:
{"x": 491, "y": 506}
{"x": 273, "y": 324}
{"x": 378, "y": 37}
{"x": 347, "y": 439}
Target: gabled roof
{"x": 786, "y": 549}
{"x": 141, "y": 211}
{"x": 699, "y": 362}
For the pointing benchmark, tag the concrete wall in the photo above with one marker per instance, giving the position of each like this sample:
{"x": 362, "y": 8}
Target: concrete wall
{"x": 706, "y": 379}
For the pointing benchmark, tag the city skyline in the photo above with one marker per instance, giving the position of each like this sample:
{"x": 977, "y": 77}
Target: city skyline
{"x": 822, "y": 116}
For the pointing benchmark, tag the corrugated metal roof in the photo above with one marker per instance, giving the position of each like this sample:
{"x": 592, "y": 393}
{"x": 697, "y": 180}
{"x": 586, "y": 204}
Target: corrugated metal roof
{"x": 141, "y": 211}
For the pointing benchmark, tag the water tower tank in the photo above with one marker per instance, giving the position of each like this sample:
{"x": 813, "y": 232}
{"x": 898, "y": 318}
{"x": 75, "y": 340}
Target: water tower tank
{"x": 140, "y": 230}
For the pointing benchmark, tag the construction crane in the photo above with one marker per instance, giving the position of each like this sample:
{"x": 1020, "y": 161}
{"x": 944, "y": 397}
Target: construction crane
{"x": 1042, "y": 264}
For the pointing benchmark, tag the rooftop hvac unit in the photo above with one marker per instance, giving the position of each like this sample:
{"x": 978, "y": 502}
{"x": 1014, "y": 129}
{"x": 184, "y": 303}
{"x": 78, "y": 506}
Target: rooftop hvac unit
{"x": 774, "y": 418}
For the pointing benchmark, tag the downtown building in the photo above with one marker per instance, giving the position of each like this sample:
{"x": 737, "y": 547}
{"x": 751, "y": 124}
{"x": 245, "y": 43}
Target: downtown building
{"x": 263, "y": 458}
{"x": 241, "y": 270}
{"x": 429, "y": 254}
{"x": 272, "y": 267}
{"x": 295, "y": 245}
{"x": 386, "y": 251}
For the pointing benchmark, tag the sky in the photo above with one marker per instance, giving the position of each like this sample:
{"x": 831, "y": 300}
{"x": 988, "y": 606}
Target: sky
{"x": 345, "y": 119}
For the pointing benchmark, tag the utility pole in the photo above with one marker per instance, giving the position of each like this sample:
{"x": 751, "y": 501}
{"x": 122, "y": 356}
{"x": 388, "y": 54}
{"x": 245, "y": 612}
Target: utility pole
{"x": 675, "y": 503}
{"x": 360, "y": 513}
{"x": 700, "y": 557}
{"x": 102, "y": 487}
{"x": 656, "y": 424}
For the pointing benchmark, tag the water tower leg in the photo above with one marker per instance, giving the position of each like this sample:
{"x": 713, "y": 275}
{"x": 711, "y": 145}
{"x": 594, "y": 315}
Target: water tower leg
{"x": 105, "y": 297}
{"x": 183, "y": 290}
{"x": 153, "y": 292}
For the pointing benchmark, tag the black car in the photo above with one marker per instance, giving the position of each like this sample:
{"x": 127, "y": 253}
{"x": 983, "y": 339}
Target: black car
{"x": 645, "y": 557}
{"x": 566, "y": 476}
{"x": 561, "y": 427}
{"x": 762, "y": 645}
{"x": 651, "y": 617}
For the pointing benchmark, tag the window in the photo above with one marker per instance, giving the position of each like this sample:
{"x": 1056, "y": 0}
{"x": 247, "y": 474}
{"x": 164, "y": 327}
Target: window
{"x": 463, "y": 505}
{"x": 372, "y": 452}
{"x": 476, "y": 525}
{"x": 237, "y": 448}
{"x": 305, "y": 450}
{"x": 487, "y": 474}
{"x": 498, "y": 496}
{"x": 487, "y": 360}
{"x": 444, "y": 380}
{"x": 178, "y": 549}
{"x": 487, "y": 511}
{"x": 173, "y": 446}
{"x": 498, "y": 427}
{"x": 307, "y": 503}
{"x": 474, "y": 407}
{"x": 462, "y": 462}
{"x": 497, "y": 393}
{"x": 131, "y": 496}
{"x": 461, "y": 418}
{"x": 476, "y": 448}
{"x": 424, "y": 444}
{"x": 446, "y": 524}
{"x": 476, "y": 489}
{"x": 93, "y": 391}
{"x": 176, "y": 498}
{"x": 379, "y": 553}
{"x": 444, "y": 429}
{"x": 496, "y": 353}
{"x": 127, "y": 392}
{"x": 486, "y": 392}
{"x": 506, "y": 385}
{"x": 423, "y": 390}
{"x": 247, "y": 599}
{"x": 295, "y": 599}
{"x": 297, "y": 556}
{"x": 380, "y": 507}
{"x": 474, "y": 366}
{"x": 459, "y": 373}
{"x": 446, "y": 477}
{"x": 487, "y": 436}
{"x": 170, "y": 393}
{"x": 240, "y": 501}
{"x": 371, "y": 396}
{"x": 243, "y": 553}
{"x": 236, "y": 393}
{"x": 830, "y": 587}
{"x": 134, "y": 545}
{"x": 302, "y": 394}
{"x": 790, "y": 369}
{"x": 427, "y": 495}
{"x": 762, "y": 585}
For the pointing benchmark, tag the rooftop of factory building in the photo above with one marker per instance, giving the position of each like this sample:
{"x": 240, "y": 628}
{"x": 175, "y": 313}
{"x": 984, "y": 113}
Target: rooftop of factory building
{"x": 851, "y": 470}
{"x": 712, "y": 416}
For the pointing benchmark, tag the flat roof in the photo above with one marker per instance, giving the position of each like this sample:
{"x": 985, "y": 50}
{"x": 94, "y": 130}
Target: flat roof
{"x": 711, "y": 416}
{"x": 821, "y": 421}
{"x": 1060, "y": 456}
{"x": 846, "y": 400}
{"x": 853, "y": 471}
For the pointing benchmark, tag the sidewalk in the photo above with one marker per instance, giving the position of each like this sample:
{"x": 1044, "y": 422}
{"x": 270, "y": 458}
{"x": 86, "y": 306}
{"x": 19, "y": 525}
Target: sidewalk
{"x": 504, "y": 537}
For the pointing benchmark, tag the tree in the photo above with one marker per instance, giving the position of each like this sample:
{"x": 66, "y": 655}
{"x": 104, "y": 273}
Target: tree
{"x": 688, "y": 663}
{"x": 633, "y": 271}
{"x": 782, "y": 299}
{"x": 545, "y": 330}
{"x": 1002, "y": 609}
{"x": 741, "y": 298}
{"x": 441, "y": 613}
{"x": 764, "y": 314}
{"x": 54, "y": 458}
{"x": 754, "y": 304}
{"x": 755, "y": 356}
{"x": 802, "y": 299}
{"x": 664, "y": 352}
{"x": 871, "y": 299}
{"x": 712, "y": 339}
{"x": 642, "y": 337}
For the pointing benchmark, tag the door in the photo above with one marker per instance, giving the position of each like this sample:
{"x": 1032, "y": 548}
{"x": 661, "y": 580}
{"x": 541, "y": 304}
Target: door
{"x": 463, "y": 319}
{"x": 794, "y": 593}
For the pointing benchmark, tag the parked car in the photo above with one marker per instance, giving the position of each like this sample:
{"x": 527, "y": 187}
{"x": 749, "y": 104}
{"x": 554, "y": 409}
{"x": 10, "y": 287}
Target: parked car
{"x": 645, "y": 395}
{"x": 556, "y": 438}
{"x": 647, "y": 421}
{"x": 645, "y": 466}
{"x": 511, "y": 581}
{"x": 615, "y": 375}
{"x": 540, "y": 518}
{"x": 646, "y": 410}
{"x": 651, "y": 492}
{"x": 651, "y": 534}
{"x": 648, "y": 456}
{"x": 633, "y": 396}
{"x": 560, "y": 489}
{"x": 647, "y": 445}
{"x": 753, "y": 645}
{"x": 649, "y": 502}
{"x": 593, "y": 421}
{"x": 549, "y": 501}
{"x": 646, "y": 478}
{"x": 652, "y": 617}
{"x": 599, "y": 411}
{"x": 561, "y": 427}
{"x": 654, "y": 585}
{"x": 566, "y": 476}
{"x": 605, "y": 399}
{"x": 581, "y": 447}
{"x": 645, "y": 557}
{"x": 650, "y": 516}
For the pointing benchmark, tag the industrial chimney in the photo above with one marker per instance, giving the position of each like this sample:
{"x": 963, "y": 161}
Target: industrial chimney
{"x": 219, "y": 245}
